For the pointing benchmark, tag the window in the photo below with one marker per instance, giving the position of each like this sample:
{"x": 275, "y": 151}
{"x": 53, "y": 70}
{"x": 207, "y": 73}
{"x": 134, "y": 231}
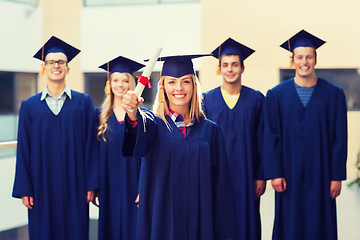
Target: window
{"x": 347, "y": 79}
{"x": 6, "y": 93}
{"x": 95, "y": 84}
{"x": 14, "y": 88}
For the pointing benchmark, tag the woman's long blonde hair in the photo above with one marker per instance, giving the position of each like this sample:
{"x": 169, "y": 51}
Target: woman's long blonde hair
{"x": 107, "y": 106}
{"x": 161, "y": 104}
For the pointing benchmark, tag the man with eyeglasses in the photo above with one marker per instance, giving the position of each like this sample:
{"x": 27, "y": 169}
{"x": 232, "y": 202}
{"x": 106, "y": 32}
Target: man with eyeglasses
{"x": 56, "y": 154}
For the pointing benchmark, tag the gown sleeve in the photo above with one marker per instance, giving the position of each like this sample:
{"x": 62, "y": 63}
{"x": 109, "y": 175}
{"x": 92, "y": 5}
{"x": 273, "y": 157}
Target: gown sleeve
{"x": 224, "y": 215}
{"x": 272, "y": 150}
{"x": 339, "y": 145}
{"x": 258, "y": 165}
{"x": 23, "y": 180}
{"x": 137, "y": 138}
{"x": 91, "y": 149}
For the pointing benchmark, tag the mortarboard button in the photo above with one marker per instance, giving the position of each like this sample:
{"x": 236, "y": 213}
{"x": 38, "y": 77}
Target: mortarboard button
{"x": 55, "y": 44}
{"x": 232, "y": 47}
{"x": 179, "y": 65}
{"x": 302, "y": 39}
{"x": 121, "y": 65}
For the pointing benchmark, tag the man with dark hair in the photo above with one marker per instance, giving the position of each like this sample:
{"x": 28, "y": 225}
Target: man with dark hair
{"x": 239, "y": 112}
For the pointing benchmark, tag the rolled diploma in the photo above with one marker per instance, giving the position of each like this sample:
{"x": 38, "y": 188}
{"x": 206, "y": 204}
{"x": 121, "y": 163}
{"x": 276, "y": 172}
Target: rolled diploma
{"x": 147, "y": 71}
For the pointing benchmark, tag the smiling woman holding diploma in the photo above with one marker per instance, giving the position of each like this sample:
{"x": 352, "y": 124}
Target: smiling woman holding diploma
{"x": 185, "y": 188}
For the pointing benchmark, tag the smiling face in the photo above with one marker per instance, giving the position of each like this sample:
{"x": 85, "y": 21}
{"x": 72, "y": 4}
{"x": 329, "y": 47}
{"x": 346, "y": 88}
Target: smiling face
{"x": 120, "y": 84}
{"x": 56, "y": 72}
{"x": 231, "y": 68}
{"x": 304, "y": 61}
{"x": 179, "y": 92}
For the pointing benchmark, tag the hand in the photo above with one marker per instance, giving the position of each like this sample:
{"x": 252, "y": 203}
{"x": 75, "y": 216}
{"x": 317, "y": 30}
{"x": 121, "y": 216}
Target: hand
{"x": 90, "y": 196}
{"x": 335, "y": 189}
{"x": 130, "y": 104}
{"x": 279, "y": 184}
{"x": 259, "y": 188}
{"x": 137, "y": 200}
{"x": 96, "y": 203}
{"x": 28, "y": 202}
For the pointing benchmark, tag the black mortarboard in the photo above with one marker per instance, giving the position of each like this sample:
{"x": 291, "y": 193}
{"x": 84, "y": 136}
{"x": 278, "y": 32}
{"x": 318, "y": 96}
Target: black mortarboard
{"x": 122, "y": 65}
{"x": 302, "y": 39}
{"x": 179, "y": 65}
{"x": 232, "y": 47}
{"x": 54, "y": 44}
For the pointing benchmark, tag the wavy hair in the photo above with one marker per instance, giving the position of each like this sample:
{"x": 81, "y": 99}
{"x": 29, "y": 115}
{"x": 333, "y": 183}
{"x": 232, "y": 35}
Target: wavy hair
{"x": 107, "y": 108}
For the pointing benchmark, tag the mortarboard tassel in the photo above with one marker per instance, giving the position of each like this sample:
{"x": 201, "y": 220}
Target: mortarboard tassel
{"x": 218, "y": 70}
{"x": 42, "y": 70}
{"x": 219, "y": 57}
{"x": 107, "y": 86}
{"x": 291, "y": 59}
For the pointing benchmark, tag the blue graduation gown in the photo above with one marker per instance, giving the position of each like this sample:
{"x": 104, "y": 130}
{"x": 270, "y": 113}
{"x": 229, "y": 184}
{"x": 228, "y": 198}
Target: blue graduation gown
{"x": 243, "y": 131}
{"x": 185, "y": 189}
{"x": 56, "y": 165}
{"x": 118, "y": 187}
{"x": 308, "y": 147}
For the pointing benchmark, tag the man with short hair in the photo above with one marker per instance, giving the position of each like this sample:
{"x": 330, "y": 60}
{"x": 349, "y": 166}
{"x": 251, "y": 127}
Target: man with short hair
{"x": 305, "y": 147}
{"x": 239, "y": 112}
{"x": 56, "y": 168}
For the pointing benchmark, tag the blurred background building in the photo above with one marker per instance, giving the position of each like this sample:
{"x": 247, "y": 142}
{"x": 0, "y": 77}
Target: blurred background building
{"x": 105, "y": 29}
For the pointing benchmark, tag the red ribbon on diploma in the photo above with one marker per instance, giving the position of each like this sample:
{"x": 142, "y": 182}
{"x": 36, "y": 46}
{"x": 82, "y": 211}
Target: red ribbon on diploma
{"x": 144, "y": 80}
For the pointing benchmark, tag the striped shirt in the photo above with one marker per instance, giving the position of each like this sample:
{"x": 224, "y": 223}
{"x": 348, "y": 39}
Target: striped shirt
{"x": 180, "y": 122}
{"x": 54, "y": 104}
{"x": 304, "y": 93}
{"x": 175, "y": 117}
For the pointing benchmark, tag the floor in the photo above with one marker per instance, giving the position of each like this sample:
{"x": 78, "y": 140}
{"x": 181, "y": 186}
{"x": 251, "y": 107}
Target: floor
{"x": 13, "y": 216}
{"x": 348, "y": 212}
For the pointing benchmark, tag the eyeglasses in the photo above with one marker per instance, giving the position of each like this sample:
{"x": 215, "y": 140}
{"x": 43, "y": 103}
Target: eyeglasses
{"x": 51, "y": 63}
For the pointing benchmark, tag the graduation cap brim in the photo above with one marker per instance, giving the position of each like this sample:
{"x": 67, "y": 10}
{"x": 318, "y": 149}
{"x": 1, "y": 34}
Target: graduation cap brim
{"x": 302, "y": 39}
{"x": 55, "y": 44}
{"x": 122, "y": 65}
{"x": 232, "y": 47}
{"x": 179, "y": 65}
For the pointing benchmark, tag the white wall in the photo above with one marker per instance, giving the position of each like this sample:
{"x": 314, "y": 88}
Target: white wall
{"x": 135, "y": 32}
{"x": 265, "y": 24}
{"x": 21, "y": 37}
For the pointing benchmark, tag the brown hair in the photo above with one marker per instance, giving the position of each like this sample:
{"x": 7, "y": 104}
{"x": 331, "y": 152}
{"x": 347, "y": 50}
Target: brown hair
{"x": 218, "y": 69}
